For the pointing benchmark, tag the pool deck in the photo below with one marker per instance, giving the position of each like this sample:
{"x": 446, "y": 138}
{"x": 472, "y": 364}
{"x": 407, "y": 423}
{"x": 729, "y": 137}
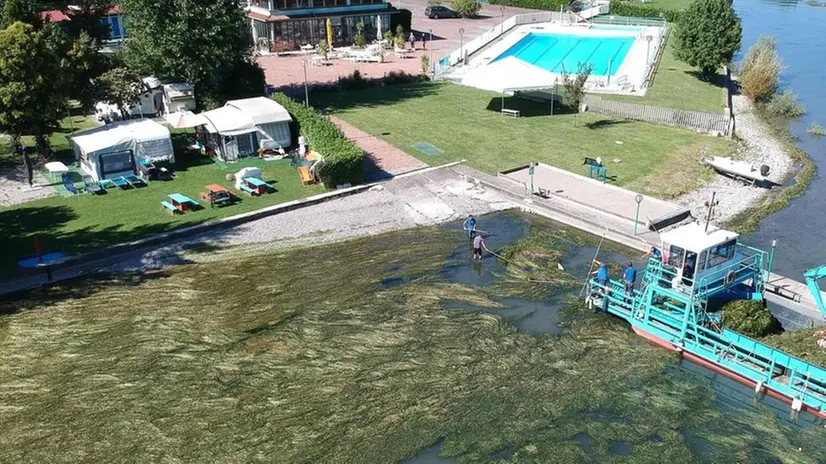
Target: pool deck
{"x": 631, "y": 73}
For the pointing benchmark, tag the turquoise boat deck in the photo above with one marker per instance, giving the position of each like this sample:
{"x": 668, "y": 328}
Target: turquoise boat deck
{"x": 674, "y": 312}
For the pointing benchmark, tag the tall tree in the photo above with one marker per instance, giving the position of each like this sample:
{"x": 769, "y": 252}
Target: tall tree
{"x": 20, "y": 10}
{"x": 31, "y": 87}
{"x": 708, "y": 35}
{"x": 201, "y": 41}
{"x": 121, "y": 87}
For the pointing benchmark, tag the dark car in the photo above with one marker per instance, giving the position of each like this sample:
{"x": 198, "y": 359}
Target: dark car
{"x": 438, "y": 11}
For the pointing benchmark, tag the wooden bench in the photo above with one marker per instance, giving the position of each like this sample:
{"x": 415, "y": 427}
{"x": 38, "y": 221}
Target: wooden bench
{"x": 512, "y": 113}
{"x": 170, "y": 208}
{"x": 246, "y": 188}
{"x": 304, "y": 175}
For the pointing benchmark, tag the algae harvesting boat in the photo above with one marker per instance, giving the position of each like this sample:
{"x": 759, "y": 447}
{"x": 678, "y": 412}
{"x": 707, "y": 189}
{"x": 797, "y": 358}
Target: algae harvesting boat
{"x": 701, "y": 266}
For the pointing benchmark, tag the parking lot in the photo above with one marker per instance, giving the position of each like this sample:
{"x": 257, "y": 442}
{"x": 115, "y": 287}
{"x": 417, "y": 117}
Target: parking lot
{"x": 284, "y": 71}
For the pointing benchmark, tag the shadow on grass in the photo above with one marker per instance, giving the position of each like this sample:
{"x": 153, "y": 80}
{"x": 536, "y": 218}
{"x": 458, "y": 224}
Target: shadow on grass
{"x": 527, "y": 108}
{"x": 49, "y": 223}
{"x": 330, "y": 101}
{"x": 718, "y": 80}
{"x": 602, "y": 123}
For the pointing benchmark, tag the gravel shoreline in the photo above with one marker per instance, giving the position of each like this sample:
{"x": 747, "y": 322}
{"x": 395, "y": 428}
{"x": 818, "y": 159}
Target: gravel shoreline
{"x": 757, "y": 146}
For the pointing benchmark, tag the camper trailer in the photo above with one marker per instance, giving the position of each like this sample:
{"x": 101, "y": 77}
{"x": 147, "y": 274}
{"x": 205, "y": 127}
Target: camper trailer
{"x": 178, "y": 97}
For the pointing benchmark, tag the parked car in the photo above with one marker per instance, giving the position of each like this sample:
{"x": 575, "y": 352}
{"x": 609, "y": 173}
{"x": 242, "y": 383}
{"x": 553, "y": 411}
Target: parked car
{"x": 438, "y": 11}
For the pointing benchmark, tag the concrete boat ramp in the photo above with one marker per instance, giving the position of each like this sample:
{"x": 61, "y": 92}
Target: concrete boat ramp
{"x": 604, "y": 209}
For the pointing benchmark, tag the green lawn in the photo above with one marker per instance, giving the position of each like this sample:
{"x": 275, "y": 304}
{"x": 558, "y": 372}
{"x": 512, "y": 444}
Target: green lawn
{"x": 677, "y": 85}
{"x": 464, "y": 123}
{"x": 84, "y": 223}
{"x": 669, "y": 4}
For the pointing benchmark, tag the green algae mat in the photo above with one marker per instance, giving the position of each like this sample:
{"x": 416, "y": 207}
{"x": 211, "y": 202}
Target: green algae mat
{"x": 369, "y": 351}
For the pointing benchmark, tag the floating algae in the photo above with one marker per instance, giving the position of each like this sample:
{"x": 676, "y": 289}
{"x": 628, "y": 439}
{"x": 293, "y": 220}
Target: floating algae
{"x": 312, "y": 355}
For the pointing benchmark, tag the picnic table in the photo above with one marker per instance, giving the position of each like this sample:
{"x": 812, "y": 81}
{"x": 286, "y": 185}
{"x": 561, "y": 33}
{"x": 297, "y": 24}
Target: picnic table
{"x": 217, "y": 195}
{"x": 182, "y": 202}
{"x": 257, "y": 185}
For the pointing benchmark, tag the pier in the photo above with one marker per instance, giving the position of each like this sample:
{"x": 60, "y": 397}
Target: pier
{"x": 607, "y": 210}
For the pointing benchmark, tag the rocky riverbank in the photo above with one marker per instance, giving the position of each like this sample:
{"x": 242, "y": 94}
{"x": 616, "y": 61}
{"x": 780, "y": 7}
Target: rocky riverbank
{"x": 757, "y": 145}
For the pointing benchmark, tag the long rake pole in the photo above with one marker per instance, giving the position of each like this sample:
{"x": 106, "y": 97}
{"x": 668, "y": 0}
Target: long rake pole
{"x": 591, "y": 266}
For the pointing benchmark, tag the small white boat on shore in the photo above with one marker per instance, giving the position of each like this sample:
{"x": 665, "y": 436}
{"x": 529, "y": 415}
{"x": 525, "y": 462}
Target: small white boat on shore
{"x": 740, "y": 170}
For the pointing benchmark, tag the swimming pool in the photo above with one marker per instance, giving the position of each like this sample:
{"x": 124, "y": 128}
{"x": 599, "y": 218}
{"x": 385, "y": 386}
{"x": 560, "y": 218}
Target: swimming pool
{"x": 562, "y": 53}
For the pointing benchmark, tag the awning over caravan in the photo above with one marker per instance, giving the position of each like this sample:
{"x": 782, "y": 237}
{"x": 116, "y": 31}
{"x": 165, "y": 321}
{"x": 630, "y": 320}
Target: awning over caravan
{"x": 144, "y": 137}
{"x": 227, "y": 121}
{"x": 261, "y": 110}
{"x": 184, "y": 119}
{"x": 509, "y": 75}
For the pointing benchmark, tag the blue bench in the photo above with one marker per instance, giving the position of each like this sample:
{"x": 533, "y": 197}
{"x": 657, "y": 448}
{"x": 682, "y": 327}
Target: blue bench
{"x": 247, "y": 189}
{"x": 169, "y": 207}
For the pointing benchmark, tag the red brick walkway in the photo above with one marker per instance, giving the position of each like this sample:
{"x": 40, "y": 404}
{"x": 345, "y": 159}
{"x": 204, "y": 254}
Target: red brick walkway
{"x": 384, "y": 160}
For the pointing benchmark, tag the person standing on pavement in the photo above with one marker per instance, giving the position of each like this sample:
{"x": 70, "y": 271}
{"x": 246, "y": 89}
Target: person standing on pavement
{"x": 412, "y": 40}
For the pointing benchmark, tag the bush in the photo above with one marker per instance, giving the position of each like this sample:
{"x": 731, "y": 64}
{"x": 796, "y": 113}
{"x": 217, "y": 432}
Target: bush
{"x": 641, "y": 10}
{"x": 425, "y": 65}
{"x": 552, "y": 5}
{"x": 760, "y": 69}
{"x": 466, "y": 8}
{"x": 749, "y": 317}
{"x": 708, "y": 34}
{"x": 358, "y": 40}
{"x": 575, "y": 85}
{"x": 784, "y": 105}
{"x": 342, "y": 158}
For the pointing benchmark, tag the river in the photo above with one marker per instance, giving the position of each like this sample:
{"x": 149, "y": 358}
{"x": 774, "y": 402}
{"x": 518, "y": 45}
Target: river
{"x": 798, "y": 28}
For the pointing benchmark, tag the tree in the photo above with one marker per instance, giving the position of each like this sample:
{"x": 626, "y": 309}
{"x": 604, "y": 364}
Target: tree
{"x": 575, "y": 86}
{"x": 466, "y": 8}
{"x": 32, "y": 90}
{"x": 760, "y": 69}
{"x": 200, "y": 41}
{"x": 358, "y": 40}
{"x": 20, "y": 10}
{"x": 121, "y": 87}
{"x": 83, "y": 64}
{"x": 708, "y": 34}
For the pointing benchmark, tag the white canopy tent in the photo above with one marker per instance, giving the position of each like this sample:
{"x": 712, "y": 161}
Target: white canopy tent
{"x": 271, "y": 119}
{"x": 115, "y": 149}
{"x": 510, "y": 75}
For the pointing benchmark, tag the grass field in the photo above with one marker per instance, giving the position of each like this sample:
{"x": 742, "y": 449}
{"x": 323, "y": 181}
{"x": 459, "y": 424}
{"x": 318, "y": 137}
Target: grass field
{"x": 677, "y": 85}
{"x": 464, "y": 123}
{"x": 59, "y": 141}
{"x": 83, "y": 223}
{"x": 311, "y": 355}
{"x": 669, "y": 4}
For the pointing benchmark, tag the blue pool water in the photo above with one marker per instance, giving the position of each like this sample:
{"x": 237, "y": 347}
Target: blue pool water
{"x": 562, "y": 53}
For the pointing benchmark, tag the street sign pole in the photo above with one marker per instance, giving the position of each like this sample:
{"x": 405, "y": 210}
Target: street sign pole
{"x": 638, "y": 199}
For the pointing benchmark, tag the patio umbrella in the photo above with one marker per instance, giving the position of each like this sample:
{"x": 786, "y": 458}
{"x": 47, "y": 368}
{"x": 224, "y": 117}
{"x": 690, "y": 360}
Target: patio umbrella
{"x": 378, "y": 27}
{"x": 329, "y": 33}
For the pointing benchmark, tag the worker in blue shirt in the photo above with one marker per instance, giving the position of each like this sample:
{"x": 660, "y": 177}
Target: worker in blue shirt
{"x": 470, "y": 226}
{"x": 602, "y": 275}
{"x": 654, "y": 253}
{"x": 629, "y": 276}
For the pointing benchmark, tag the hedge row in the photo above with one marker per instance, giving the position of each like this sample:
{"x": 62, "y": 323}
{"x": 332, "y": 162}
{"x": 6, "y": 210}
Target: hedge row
{"x": 343, "y": 160}
{"x": 641, "y": 10}
{"x": 552, "y": 5}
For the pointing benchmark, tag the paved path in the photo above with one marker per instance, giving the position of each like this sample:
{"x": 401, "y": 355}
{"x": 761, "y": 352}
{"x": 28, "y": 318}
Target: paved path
{"x": 595, "y": 194}
{"x": 383, "y": 160}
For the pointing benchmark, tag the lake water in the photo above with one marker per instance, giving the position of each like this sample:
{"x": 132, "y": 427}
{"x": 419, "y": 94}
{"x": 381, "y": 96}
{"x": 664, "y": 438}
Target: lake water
{"x": 799, "y": 30}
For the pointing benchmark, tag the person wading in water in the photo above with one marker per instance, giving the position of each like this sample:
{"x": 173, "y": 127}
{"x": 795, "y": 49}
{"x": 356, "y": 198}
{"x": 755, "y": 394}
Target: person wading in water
{"x": 478, "y": 245}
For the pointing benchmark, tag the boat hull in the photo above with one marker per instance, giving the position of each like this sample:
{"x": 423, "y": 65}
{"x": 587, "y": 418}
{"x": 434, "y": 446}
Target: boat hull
{"x": 721, "y": 370}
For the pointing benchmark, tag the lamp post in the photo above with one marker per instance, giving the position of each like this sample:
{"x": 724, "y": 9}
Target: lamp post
{"x": 502, "y": 22}
{"x": 432, "y": 64}
{"x": 306, "y": 92}
{"x": 638, "y": 199}
{"x": 461, "y": 44}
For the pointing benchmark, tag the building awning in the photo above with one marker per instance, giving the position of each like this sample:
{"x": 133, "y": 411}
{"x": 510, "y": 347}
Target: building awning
{"x": 267, "y": 18}
{"x": 335, "y": 14}
{"x": 227, "y": 120}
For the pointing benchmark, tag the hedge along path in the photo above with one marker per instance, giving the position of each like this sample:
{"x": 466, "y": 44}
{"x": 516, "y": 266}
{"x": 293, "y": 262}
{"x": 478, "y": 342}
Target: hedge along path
{"x": 343, "y": 159}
